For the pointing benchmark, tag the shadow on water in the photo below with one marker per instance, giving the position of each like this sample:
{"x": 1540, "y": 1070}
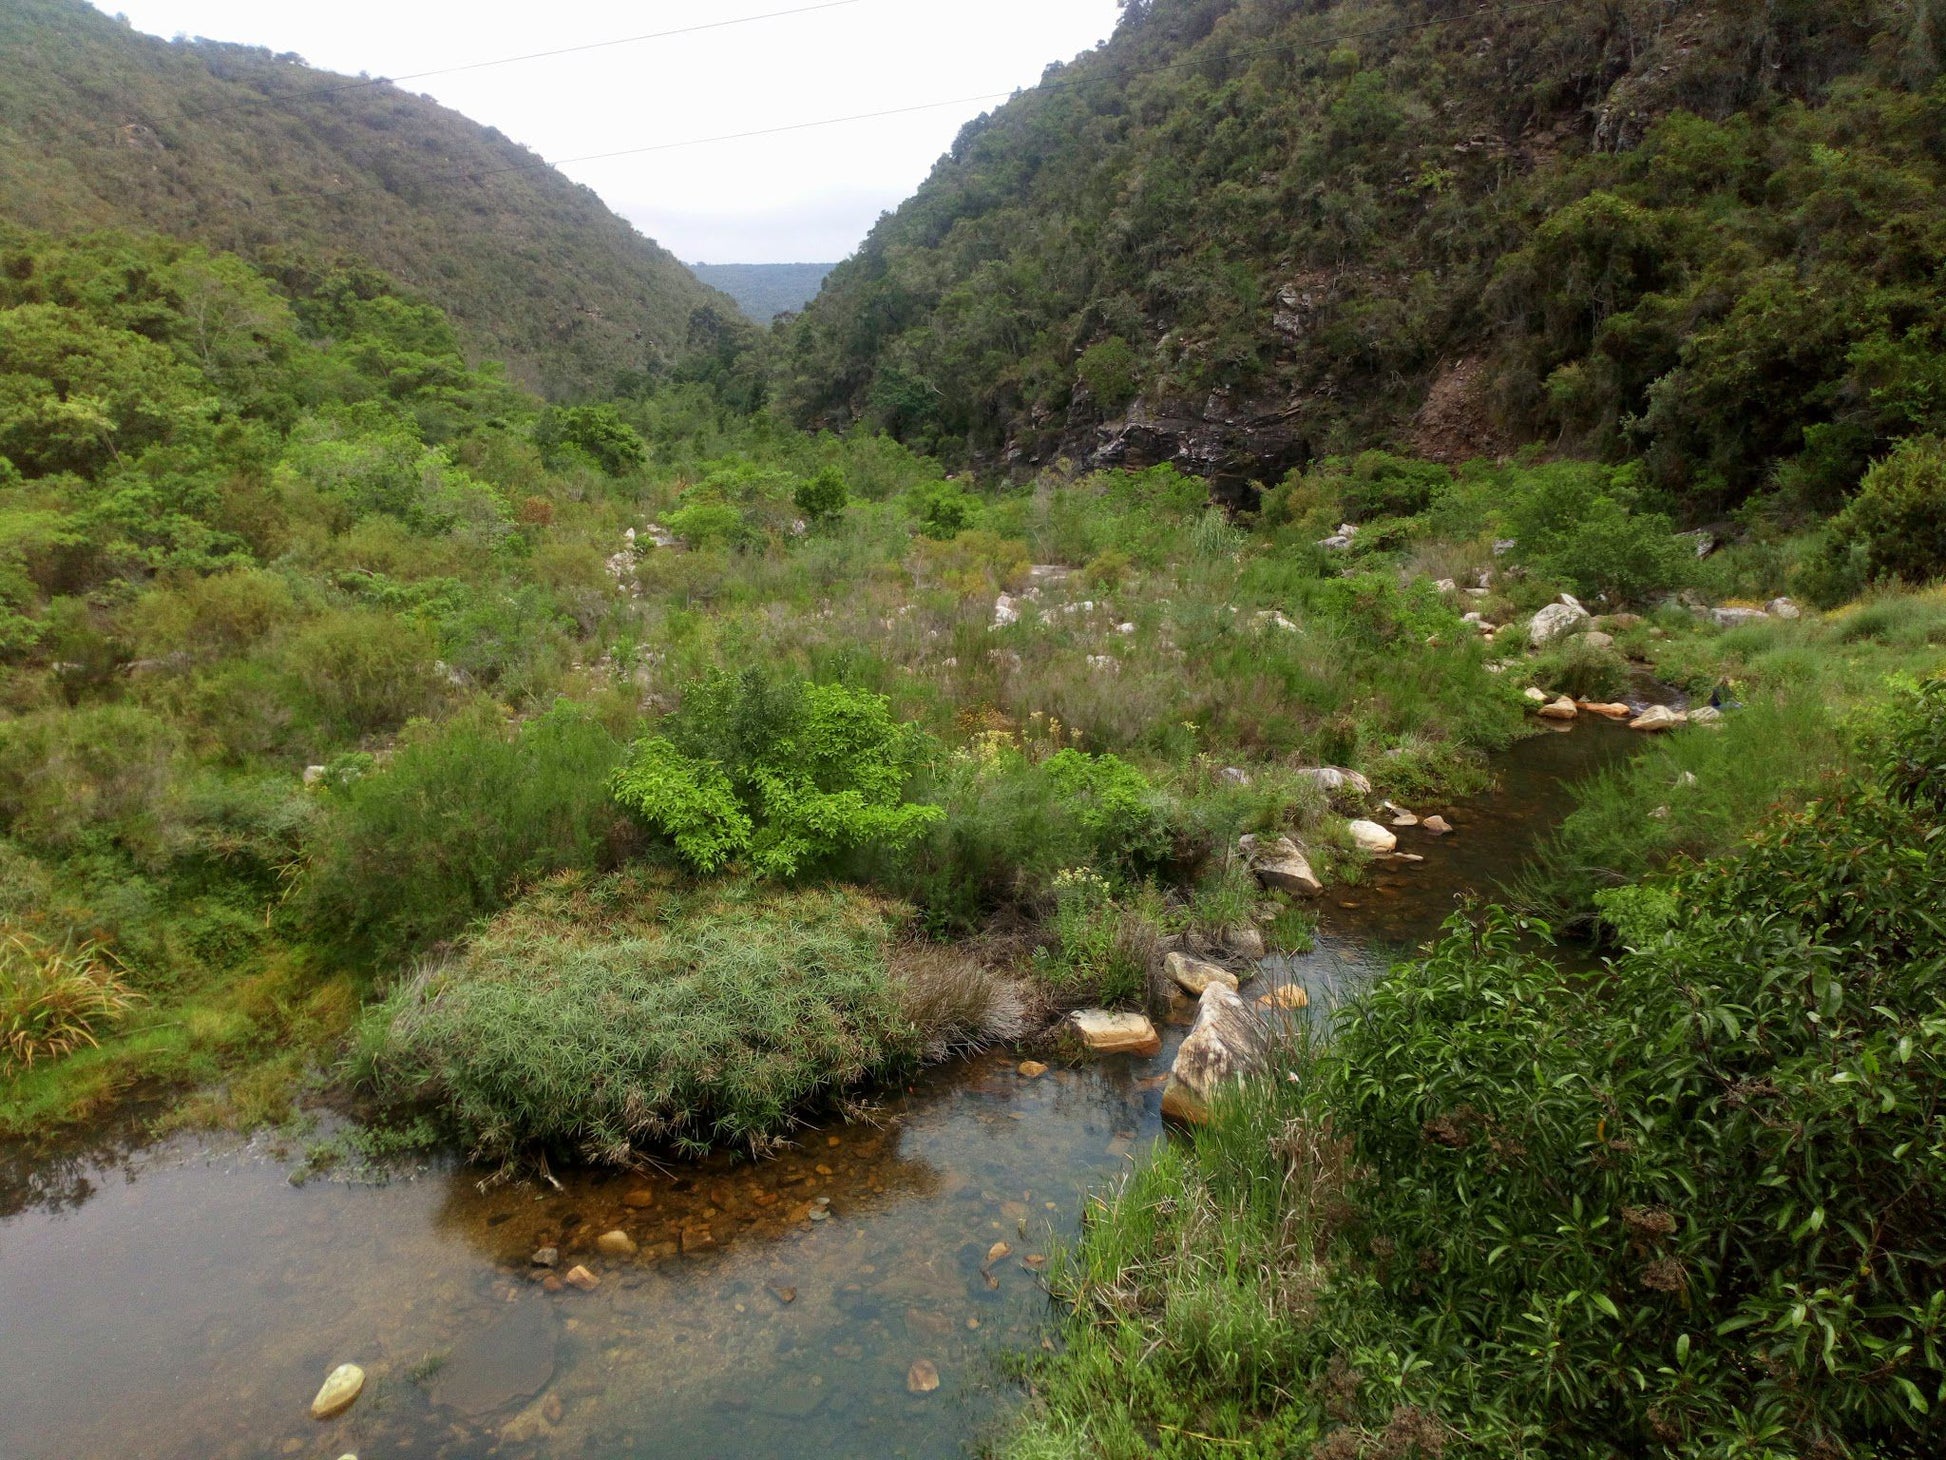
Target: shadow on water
{"x": 184, "y": 1298}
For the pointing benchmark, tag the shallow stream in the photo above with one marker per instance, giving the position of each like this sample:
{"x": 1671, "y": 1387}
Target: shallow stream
{"x": 186, "y": 1298}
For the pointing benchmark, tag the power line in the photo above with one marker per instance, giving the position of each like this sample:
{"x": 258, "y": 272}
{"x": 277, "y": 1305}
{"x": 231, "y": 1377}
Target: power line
{"x": 366, "y": 83}
{"x": 1045, "y": 87}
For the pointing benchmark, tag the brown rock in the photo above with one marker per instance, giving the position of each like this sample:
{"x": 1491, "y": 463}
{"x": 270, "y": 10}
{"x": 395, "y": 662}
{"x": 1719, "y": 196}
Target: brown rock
{"x": 1608, "y": 711}
{"x": 580, "y": 1277}
{"x": 784, "y": 1295}
{"x": 1226, "y": 1044}
{"x": 1561, "y": 709}
{"x": 922, "y": 1377}
{"x": 1437, "y": 825}
{"x": 615, "y": 1244}
{"x": 639, "y": 1198}
{"x": 997, "y": 1251}
{"x": 1285, "y": 996}
{"x": 1032, "y": 1069}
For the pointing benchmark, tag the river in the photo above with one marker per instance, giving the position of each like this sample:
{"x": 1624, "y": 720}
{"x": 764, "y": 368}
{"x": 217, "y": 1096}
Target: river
{"x": 187, "y": 1297}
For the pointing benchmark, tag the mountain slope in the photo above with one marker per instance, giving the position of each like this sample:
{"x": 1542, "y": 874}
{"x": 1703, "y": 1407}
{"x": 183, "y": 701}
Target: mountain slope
{"x": 764, "y": 291}
{"x": 101, "y": 126}
{"x": 1244, "y": 233}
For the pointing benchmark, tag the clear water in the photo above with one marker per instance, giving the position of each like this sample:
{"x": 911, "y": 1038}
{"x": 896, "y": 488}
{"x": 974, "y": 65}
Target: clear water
{"x": 186, "y": 1299}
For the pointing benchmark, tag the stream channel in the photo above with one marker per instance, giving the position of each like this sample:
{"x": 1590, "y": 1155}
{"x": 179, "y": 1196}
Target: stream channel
{"x": 185, "y": 1298}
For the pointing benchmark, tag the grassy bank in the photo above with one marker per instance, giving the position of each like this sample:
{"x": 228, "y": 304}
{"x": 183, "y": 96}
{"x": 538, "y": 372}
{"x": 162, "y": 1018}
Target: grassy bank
{"x": 1690, "y": 1206}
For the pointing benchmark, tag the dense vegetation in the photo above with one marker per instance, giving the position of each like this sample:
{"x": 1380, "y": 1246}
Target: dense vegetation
{"x": 306, "y": 171}
{"x": 1245, "y": 233}
{"x": 1690, "y": 1204}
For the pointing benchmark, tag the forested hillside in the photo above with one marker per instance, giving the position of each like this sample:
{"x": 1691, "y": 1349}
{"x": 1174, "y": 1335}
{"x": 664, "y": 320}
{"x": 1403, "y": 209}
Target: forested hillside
{"x": 1245, "y": 233}
{"x": 101, "y": 126}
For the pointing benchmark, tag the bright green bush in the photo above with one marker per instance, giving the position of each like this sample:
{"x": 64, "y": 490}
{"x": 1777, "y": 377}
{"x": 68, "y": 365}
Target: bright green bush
{"x": 706, "y": 524}
{"x": 465, "y": 811}
{"x": 595, "y": 433}
{"x": 1899, "y": 515}
{"x": 822, "y": 495}
{"x": 1575, "y": 524}
{"x": 603, "y": 1019}
{"x": 789, "y": 773}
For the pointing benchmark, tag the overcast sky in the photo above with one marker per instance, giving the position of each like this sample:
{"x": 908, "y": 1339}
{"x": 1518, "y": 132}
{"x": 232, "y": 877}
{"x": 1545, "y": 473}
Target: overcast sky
{"x": 803, "y": 196}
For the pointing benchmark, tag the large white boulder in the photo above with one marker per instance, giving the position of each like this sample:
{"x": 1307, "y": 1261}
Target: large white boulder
{"x": 1556, "y": 621}
{"x": 1332, "y": 779}
{"x": 1658, "y": 717}
{"x": 1277, "y": 863}
{"x": 1371, "y": 837}
{"x": 1227, "y": 1042}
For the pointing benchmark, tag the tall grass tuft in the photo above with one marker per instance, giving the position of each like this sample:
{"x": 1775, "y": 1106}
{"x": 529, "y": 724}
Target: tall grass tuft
{"x": 54, "y": 999}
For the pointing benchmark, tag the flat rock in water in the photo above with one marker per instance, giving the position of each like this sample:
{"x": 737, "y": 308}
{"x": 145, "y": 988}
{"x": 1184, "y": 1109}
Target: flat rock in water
{"x": 1614, "y": 710}
{"x": 1285, "y": 996}
{"x": 1437, "y": 825}
{"x": 922, "y": 1377}
{"x": 341, "y": 1390}
{"x": 1031, "y": 1069}
{"x": 1193, "y": 975}
{"x": 1227, "y": 1043}
{"x": 1371, "y": 837}
{"x": 505, "y": 1363}
{"x": 1108, "y": 1033}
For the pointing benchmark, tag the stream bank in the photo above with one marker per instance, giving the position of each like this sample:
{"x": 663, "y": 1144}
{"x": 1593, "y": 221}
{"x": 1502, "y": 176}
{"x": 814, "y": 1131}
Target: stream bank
{"x": 185, "y": 1298}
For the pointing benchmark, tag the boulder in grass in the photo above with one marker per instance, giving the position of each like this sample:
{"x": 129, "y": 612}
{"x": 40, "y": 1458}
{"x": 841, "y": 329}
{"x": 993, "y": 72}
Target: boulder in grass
{"x": 1277, "y": 863}
{"x": 1783, "y": 608}
{"x": 1111, "y": 1033}
{"x": 1333, "y": 779}
{"x": 1193, "y": 975}
{"x": 1227, "y": 1043}
{"x": 1658, "y": 717}
{"x": 1556, "y": 621}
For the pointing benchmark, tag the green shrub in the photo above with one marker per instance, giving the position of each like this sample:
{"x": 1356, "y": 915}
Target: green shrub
{"x": 603, "y": 1019}
{"x": 707, "y": 524}
{"x": 822, "y": 496}
{"x": 790, "y": 773}
{"x": 1899, "y": 515}
{"x": 462, "y": 814}
{"x": 1109, "y": 369}
{"x": 69, "y": 775}
{"x": 1100, "y": 952}
{"x": 594, "y": 433}
{"x": 1584, "y": 671}
{"x": 944, "y": 509}
{"x": 1575, "y": 524}
{"x": 365, "y": 672}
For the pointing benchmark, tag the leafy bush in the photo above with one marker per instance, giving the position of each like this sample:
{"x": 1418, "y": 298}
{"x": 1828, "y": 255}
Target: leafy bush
{"x": 693, "y": 1020}
{"x": 1575, "y": 524}
{"x": 53, "y": 999}
{"x": 464, "y": 812}
{"x": 365, "y": 672}
{"x": 821, "y": 496}
{"x": 1899, "y": 515}
{"x": 1585, "y": 671}
{"x": 67, "y": 776}
{"x": 944, "y": 509}
{"x": 790, "y": 773}
{"x": 595, "y": 433}
{"x": 705, "y": 524}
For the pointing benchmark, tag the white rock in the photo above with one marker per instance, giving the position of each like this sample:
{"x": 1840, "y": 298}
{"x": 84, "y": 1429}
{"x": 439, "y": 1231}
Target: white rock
{"x": 1104, "y": 664}
{"x": 1226, "y": 1044}
{"x": 1193, "y": 975}
{"x": 1124, "y": 628}
{"x": 1446, "y": 585}
{"x": 1556, "y": 620}
{"x": 1730, "y": 618}
{"x": 1006, "y": 610}
{"x": 1331, "y": 779}
{"x": 1271, "y": 618}
{"x": 1535, "y": 696}
{"x": 1706, "y": 715}
{"x": 341, "y": 1390}
{"x": 1783, "y": 608}
{"x": 1371, "y": 837}
{"x": 1658, "y": 717}
{"x": 1278, "y": 863}
{"x": 1110, "y": 1033}
{"x": 1595, "y": 638}
{"x": 313, "y": 774}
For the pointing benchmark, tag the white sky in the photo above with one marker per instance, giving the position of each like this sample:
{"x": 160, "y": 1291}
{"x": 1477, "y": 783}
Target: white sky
{"x": 804, "y": 196}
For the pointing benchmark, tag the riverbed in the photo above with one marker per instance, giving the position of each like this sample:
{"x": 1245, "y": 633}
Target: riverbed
{"x": 186, "y": 1298}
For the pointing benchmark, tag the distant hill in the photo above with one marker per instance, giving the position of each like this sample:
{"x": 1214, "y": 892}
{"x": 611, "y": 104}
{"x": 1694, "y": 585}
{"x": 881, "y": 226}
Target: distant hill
{"x": 101, "y": 126}
{"x": 764, "y": 291}
{"x": 1246, "y": 233}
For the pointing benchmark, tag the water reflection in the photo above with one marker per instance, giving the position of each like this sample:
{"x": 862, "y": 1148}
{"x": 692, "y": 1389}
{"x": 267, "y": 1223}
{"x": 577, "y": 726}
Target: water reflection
{"x": 185, "y": 1299}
